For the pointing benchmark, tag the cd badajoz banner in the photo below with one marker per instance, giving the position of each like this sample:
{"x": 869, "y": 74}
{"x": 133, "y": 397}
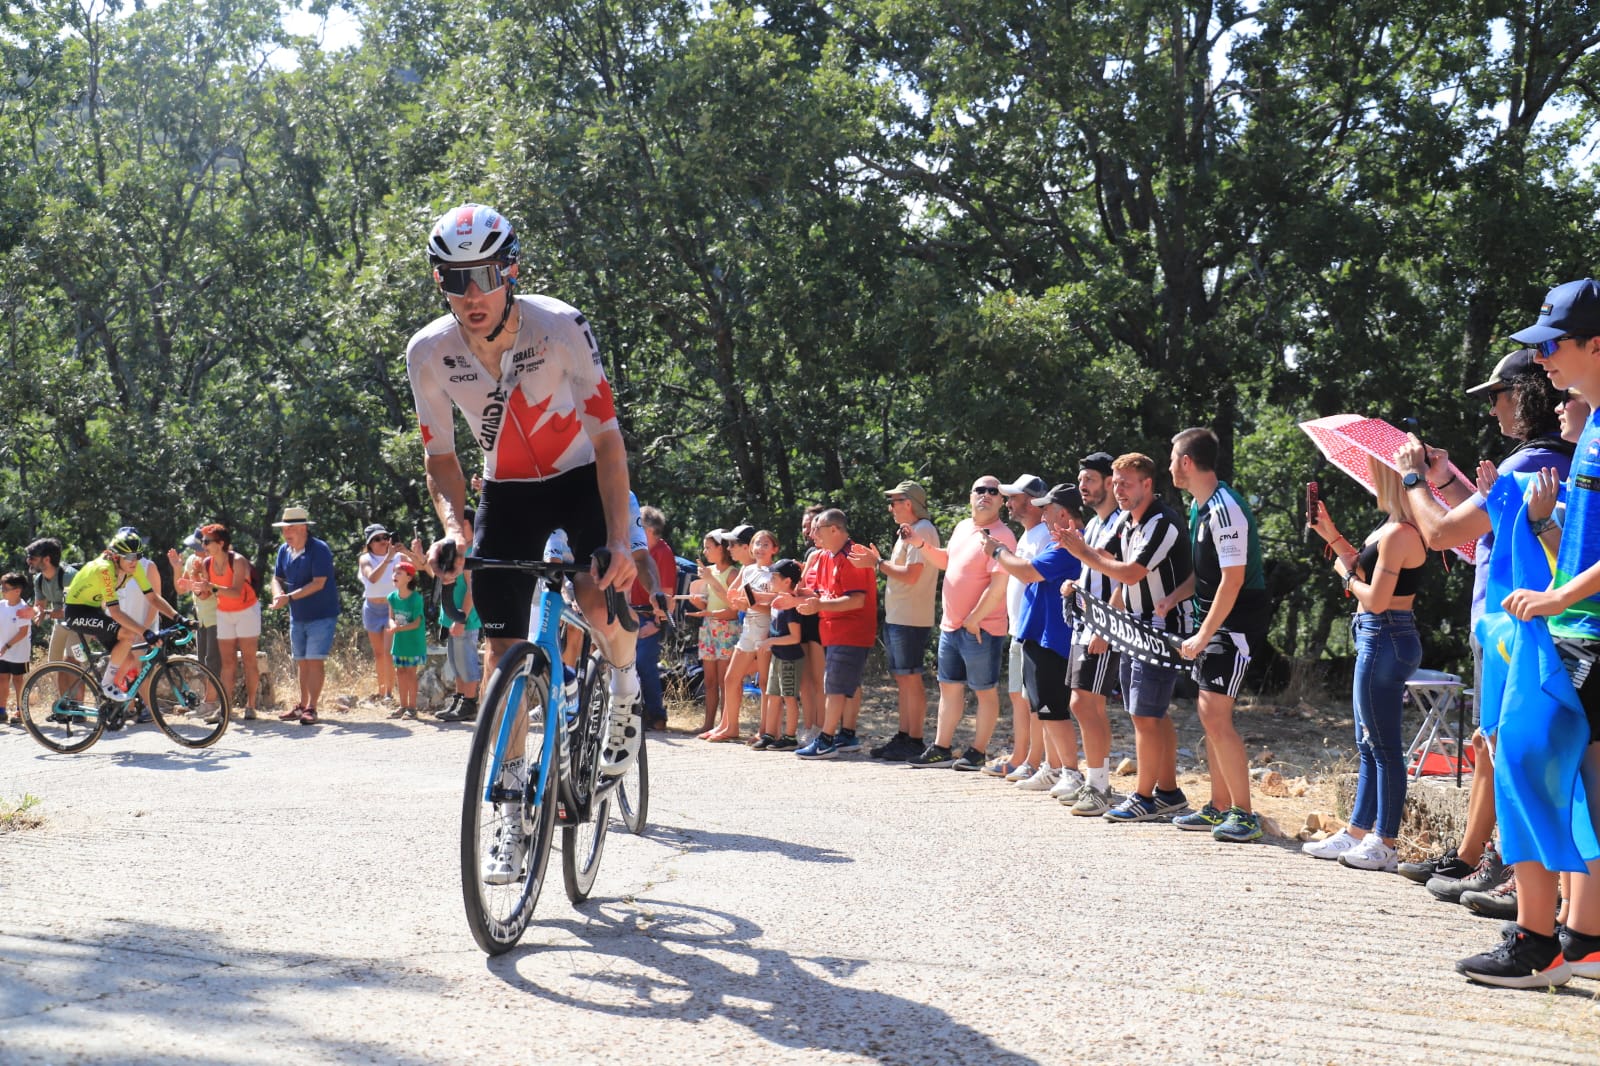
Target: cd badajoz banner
{"x": 1128, "y": 634}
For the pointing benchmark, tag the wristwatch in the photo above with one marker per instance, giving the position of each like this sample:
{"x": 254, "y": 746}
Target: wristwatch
{"x": 1411, "y": 480}
{"x": 998, "y": 548}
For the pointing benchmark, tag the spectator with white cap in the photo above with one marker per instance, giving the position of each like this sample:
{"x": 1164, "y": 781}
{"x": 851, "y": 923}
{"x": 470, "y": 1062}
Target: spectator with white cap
{"x": 376, "y": 568}
{"x": 303, "y": 581}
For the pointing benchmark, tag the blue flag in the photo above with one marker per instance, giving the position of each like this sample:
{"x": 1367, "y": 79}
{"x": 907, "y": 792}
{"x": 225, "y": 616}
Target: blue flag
{"x": 1529, "y": 704}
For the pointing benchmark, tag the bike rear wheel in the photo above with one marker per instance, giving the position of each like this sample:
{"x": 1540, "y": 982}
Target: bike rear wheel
{"x": 178, "y": 693}
{"x": 499, "y": 913}
{"x": 582, "y": 843}
{"x": 61, "y": 708}
{"x": 633, "y": 792}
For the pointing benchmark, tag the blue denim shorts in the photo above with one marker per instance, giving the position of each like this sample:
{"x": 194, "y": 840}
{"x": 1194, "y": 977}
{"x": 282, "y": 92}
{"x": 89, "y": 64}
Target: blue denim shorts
{"x": 465, "y": 662}
{"x": 313, "y": 639}
{"x": 1146, "y": 688}
{"x": 374, "y": 616}
{"x": 974, "y": 661}
{"x": 907, "y": 646}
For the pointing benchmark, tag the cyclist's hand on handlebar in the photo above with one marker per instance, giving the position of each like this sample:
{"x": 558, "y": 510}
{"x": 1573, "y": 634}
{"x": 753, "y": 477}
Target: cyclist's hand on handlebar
{"x": 447, "y": 556}
{"x": 620, "y": 573}
{"x": 149, "y": 636}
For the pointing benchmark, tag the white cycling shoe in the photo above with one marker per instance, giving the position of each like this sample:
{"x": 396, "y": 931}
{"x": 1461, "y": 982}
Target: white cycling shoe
{"x": 503, "y": 864}
{"x": 625, "y": 731}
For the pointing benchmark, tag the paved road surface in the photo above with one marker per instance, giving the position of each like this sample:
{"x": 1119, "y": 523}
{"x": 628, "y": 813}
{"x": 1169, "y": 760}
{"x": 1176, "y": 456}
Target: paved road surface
{"x": 293, "y": 897}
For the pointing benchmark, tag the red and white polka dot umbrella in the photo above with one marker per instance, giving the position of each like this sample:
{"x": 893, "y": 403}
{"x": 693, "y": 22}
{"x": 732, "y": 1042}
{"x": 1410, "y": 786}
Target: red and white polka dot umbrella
{"x": 1347, "y": 440}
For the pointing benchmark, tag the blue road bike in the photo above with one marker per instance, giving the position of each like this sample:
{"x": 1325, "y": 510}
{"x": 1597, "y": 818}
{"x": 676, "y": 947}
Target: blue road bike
{"x": 566, "y": 715}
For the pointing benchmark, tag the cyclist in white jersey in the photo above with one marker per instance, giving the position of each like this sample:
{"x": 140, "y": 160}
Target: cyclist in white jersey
{"x": 526, "y": 373}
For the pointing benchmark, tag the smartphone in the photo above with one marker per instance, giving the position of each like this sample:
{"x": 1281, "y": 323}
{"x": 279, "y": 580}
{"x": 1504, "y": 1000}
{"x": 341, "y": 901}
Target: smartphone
{"x": 1313, "y": 498}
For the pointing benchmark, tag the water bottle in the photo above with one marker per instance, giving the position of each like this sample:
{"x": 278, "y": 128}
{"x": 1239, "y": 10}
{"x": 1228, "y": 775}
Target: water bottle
{"x": 129, "y": 672}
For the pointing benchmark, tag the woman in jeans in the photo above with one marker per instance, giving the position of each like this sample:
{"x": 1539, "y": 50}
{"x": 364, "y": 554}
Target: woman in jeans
{"x": 1382, "y": 577}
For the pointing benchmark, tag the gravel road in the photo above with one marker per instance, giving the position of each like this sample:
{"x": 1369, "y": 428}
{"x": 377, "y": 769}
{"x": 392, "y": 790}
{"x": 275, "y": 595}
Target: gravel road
{"x": 293, "y": 896}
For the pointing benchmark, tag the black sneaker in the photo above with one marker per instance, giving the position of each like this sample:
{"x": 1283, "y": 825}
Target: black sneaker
{"x": 455, "y": 710}
{"x": 1523, "y": 960}
{"x": 1498, "y": 902}
{"x": 971, "y": 760}
{"x": 1448, "y": 865}
{"x": 764, "y": 742}
{"x": 1489, "y": 872}
{"x": 1582, "y": 952}
{"x": 891, "y": 748}
{"x": 787, "y": 742}
{"x": 932, "y": 755}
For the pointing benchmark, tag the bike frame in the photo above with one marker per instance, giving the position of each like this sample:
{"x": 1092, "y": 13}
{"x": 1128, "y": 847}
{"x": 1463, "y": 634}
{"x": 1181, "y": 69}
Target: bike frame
{"x": 545, "y": 619}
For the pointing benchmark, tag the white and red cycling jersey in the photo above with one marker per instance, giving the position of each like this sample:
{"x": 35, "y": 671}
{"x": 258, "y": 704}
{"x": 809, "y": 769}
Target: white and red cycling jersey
{"x": 536, "y": 420}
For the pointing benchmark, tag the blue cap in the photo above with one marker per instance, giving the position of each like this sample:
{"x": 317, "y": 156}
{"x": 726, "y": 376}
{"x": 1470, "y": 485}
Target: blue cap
{"x": 1572, "y": 309}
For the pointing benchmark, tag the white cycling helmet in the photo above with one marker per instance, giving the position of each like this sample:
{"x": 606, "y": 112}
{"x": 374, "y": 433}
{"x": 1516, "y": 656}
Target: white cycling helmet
{"x": 472, "y": 233}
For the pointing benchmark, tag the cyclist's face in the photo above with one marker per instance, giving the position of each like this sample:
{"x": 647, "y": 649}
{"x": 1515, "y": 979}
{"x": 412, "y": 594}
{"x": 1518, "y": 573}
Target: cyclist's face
{"x": 479, "y": 311}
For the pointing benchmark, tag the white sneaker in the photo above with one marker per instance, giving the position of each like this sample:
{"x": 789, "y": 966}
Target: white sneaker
{"x": 1331, "y": 847}
{"x": 1371, "y": 854}
{"x": 1043, "y": 780}
{"x": 1021, "y": 773}
{"x": 503, "y": 864}
{"x": 1068, "y": 785}
{"x": 624, "y": 734}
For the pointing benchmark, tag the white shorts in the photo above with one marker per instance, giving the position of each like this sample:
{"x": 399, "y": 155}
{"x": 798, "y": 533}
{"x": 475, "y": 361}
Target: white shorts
{"x": 239, "y": 625}
{"x": 757, "y": 627}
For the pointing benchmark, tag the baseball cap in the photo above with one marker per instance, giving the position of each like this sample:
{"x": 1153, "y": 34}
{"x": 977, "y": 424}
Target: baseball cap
{"x": 911, "y": 491}
{"x": 192, "y": 541}
{"x": 1569, "y": 309}
{"x": 1518, "y": 362}
{"x": 741, "y": 534}
{"x": 405, "y": 566}
{"x": 787, "y": 568}
{"x": 1029, "y": 485}
{"x": 1099, "y": 462}
{"x": 1064, "y": 495}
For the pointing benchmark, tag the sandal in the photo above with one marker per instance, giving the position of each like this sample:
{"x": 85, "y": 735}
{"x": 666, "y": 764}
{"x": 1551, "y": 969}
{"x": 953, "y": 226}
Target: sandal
{"x": 308, "y": 716}
{"x": 292, "y": 714}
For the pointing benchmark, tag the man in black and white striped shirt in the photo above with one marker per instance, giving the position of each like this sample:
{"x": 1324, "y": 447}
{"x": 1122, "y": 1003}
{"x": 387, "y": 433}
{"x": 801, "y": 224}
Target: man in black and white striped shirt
{"x": 1153, "y": 559}
{"x": 1093, "y": 669}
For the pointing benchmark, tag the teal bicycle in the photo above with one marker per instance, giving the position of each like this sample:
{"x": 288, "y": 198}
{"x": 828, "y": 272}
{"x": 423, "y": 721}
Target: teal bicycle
{"x": 63, "y": 709}
{"x": 508, "y": 820}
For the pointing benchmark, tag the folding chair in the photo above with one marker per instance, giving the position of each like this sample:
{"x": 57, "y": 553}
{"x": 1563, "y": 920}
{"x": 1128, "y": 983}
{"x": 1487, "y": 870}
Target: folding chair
{"x": 1436, "y": 749}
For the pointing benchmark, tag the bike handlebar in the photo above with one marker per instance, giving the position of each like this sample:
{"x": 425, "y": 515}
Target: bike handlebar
{"x": 617, "y": 609}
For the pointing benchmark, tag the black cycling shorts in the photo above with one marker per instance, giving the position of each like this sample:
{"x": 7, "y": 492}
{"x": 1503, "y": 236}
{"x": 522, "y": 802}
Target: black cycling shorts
{"x": 91, "y": 621}
{"x": 514, "y": 520}
{"x": 1044, "y": 679}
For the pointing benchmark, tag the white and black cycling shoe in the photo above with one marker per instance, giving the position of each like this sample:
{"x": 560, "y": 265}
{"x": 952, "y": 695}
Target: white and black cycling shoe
{"x": 503, "y": 864}
{"x": 624, "y": 733}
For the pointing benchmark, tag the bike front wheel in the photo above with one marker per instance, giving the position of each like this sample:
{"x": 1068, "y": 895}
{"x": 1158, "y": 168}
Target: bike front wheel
{"x": 499, "y": 821}
{"x": 61, "y": 708}
{"x": 188, "y": 703}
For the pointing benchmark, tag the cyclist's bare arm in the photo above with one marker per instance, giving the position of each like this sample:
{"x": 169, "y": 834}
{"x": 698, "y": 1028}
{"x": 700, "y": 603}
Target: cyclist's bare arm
{"x": 447, "y": 487}
{"x": 611, "y": 472}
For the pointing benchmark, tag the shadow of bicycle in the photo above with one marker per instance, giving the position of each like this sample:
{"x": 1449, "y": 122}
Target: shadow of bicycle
{"x": 692, "y": 841}
{"x": 679, "y": 962}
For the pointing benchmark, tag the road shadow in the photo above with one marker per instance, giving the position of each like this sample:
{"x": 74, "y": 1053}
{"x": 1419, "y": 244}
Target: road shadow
{"x": 688, "y": 964}
{"x": 690, "y": 841}
{"x": 57, "y": 994}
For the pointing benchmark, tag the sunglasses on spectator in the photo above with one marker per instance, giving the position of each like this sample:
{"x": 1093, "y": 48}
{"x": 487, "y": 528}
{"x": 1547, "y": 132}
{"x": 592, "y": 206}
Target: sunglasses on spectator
{"x": 1495, "y": 394}
{"x": 488, "y": 278}
{"x": 383, "y": 537}
{"x": 1545, "y": 349}
{"x": 898, "y": 499}
{"x": 985, "y": 490}
{"x": 209, "y": 540}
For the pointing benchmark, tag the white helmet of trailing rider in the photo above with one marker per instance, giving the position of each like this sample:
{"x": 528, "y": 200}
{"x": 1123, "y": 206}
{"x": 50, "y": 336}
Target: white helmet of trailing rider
{"x": 474, "y": 244}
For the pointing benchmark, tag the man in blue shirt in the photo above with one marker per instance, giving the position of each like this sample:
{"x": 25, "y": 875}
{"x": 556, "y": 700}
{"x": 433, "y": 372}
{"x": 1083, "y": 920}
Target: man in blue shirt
{"x": 303, "y": 580}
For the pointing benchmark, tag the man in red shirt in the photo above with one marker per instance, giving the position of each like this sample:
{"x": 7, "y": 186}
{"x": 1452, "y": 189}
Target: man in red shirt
{"x": 652, "y": 616}
{"x": 845, "y": 599}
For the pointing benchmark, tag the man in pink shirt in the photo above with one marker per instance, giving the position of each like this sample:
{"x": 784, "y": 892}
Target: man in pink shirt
{"x": 972, "y": 633}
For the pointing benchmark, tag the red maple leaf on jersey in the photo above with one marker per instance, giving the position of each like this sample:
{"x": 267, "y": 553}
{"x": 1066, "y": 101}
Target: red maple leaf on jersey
{"x": 427, "y": 434}
{"x": 527, "y": 448}
{"x": 600, "y": 405}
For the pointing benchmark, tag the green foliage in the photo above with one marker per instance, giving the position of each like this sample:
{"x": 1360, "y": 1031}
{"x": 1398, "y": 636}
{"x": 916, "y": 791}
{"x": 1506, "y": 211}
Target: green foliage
{"x": 824, "y": 246}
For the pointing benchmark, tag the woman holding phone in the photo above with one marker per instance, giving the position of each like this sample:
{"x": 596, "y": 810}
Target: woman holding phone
{"x": 1382, "y": 577}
